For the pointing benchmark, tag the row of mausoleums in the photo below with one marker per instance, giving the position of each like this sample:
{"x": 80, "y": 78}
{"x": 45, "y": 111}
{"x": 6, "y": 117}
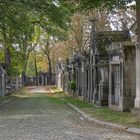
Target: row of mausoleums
{"x": 8, "y": 84}
{"x": 42, "y": 79}
{"x": 106, "y": 75}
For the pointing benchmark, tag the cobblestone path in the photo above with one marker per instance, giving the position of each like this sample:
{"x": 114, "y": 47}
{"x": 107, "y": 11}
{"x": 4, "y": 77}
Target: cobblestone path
{"x": 36, "y": 116}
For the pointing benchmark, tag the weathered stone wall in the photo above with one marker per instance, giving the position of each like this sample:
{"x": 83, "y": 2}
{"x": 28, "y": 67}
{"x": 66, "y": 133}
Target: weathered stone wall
{"x": 129, "y": 76}
{"x": 129, "y": 71}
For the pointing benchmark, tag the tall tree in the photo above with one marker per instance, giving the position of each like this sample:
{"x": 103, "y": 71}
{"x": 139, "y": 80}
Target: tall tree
{"x": 18, "y": 20}
{"x": 118, "y": 6}
{"x": 122, "y": 19}
{"x": 34, "y": 56}
{"x": 47, "y": 47}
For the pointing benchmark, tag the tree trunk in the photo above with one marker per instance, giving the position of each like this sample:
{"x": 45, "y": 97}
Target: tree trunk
{"x": 6, "y": 46}
{"x": 138, "y": 19}
{"x": 36, "y": 72}
{"x": 25, "y": 58}
{"x": 23, "y": 78}
{"x": 7, "y": 56}
{"x": 50, "y": 71}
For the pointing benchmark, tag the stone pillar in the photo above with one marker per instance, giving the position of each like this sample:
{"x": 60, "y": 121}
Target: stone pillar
{"x": 67, "y": 82}
{"x": 95, "y": 81}
{"x": 137, "y": 99}
{"x": 3, "y": 85}
{"x": 46, "y": 82}
{"x": 42, "y": 80}
{"x": 79, "y": 81}
{"x": 38, "y": 80}
{"x": 17, "y": 83}
{"x": 58, "y": 79}
{"x": 91, "y": 84}
{"x": 83, "y": 78}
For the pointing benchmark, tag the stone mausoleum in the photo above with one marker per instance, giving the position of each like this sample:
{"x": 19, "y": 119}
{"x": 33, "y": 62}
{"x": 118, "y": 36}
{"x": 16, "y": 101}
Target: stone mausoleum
{"x": 122, "y": 83}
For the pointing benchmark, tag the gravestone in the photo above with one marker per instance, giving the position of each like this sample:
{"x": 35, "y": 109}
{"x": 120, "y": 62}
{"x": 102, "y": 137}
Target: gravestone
{"x": 2, "y": 80}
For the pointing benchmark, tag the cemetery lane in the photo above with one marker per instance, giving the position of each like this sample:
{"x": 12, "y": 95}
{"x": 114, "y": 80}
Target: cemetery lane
{"x": 36, "y": 115}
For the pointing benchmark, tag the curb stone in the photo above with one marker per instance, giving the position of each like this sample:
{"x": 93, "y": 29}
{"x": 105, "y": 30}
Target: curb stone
{"x": 134, "y": 130}
{"x": 111, "y": 125}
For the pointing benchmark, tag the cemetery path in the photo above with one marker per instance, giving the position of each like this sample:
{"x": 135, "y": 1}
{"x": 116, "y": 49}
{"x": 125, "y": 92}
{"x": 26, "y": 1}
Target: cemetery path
{"x": 35, "y": 115}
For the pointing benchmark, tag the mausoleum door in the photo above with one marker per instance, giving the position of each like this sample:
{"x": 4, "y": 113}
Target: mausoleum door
{"x": 116, "y": 81}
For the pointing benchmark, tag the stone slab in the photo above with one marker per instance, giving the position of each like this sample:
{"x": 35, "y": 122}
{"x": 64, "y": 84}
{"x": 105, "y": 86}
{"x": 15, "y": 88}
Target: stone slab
{"x": 134, "y": 130}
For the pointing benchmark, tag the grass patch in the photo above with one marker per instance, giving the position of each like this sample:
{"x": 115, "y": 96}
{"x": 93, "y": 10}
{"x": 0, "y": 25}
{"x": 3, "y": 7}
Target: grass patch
{"x": 104, "y": 113}
{"x": 56, "y": 101}
{"x": 78, "y": 103}
{"x": 109, "y": 115}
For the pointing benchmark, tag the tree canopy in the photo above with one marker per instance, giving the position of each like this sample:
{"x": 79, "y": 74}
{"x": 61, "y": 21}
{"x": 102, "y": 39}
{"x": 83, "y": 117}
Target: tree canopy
{"x": 22, "y": 23}
{"x": 108, "y": 4}
{"x": 19, "y": 20}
